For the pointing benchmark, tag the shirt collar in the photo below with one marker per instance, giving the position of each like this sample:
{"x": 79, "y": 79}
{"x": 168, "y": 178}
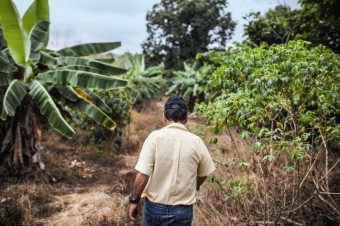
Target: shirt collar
{"x": 176, "y": 125}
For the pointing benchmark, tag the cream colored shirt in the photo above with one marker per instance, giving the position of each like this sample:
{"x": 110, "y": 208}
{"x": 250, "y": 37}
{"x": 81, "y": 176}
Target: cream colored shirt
{"x": 173, "y": 157}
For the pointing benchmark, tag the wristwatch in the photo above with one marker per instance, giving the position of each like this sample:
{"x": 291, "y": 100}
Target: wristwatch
{"x": 132, "y": 200}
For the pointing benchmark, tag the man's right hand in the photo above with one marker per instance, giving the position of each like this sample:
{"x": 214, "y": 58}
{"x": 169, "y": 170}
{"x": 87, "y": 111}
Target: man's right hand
{"x": 134, "y": 211}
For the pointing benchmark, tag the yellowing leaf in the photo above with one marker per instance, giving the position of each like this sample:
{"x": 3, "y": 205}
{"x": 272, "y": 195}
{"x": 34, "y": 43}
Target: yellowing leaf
{"x": 83, "y": 94}
{"x": 279, "y": 124}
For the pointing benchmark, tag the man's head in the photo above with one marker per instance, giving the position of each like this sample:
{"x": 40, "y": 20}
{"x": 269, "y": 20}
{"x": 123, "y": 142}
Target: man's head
{"x": 176, "y": 110}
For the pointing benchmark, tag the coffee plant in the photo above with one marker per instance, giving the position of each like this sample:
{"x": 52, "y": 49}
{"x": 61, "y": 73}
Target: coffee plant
{"x": 284, "y": 100}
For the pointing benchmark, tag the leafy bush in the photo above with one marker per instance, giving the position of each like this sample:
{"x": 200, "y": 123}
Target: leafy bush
{"x": 284, "y": 99}
{"x": 278, "y": 93}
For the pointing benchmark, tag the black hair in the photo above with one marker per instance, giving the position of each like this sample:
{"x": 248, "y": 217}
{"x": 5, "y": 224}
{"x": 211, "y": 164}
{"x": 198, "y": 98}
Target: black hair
{"x": 176, "y": 115}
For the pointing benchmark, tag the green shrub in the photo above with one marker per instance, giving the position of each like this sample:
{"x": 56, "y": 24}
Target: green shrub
{"x": 284, "y": 101}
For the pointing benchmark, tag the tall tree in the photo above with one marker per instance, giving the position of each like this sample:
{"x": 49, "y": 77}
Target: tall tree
{"x": 317, "y": 21}
{"x": 179, "y": 29}
{"x": 322, "y": 22}
{"x": 278, "y": 25}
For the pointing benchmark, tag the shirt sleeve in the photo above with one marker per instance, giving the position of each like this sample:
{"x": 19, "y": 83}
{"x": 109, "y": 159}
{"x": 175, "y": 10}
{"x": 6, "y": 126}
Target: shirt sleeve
{"x": 146, "y": 160}
{"x": 206, "y": 165}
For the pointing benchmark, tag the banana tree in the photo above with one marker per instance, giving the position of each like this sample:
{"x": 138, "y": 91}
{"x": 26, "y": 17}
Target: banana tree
{"x": 38, "y": 84}
{"x": 189, "y": 84}
{"x": 144, "y": 83}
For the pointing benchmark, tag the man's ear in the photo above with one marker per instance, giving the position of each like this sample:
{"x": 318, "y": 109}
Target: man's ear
{"x": 187, "y": 118}
{"x": 165, "y": 120}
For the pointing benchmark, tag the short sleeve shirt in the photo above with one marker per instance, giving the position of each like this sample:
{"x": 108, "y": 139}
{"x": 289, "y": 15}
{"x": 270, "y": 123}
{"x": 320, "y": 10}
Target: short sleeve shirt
{"x": 173, "y": 158}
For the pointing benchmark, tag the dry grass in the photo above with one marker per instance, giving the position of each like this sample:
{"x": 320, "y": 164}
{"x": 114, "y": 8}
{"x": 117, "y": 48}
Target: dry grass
{"x": 89, "y": 185}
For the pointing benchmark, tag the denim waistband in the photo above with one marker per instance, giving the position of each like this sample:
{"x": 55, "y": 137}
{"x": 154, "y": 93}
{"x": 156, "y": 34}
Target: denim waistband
{"x": 155, "y": 203}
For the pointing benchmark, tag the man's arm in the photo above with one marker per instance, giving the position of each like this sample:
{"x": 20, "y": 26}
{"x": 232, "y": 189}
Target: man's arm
{"x": 140, "y": 182}
{"x": 199, "y": 182}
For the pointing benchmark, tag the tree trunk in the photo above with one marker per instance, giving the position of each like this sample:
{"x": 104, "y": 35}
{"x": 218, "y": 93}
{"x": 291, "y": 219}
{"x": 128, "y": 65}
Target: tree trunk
{"x": 20, "y": 148}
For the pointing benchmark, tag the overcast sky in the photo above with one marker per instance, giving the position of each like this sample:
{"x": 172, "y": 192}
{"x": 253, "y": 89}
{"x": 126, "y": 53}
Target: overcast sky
{"x": 84, "y": 21}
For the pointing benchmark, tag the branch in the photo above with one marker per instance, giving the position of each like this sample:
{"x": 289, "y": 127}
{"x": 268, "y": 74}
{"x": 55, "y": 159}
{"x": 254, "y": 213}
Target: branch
{"x": 326, "y": 158}
{"x": 330, "y": 169}
{"x": 291, "y": 221}
{"x": 310, "y": 169}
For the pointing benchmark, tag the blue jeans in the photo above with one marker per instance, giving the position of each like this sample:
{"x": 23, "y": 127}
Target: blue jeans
{"x": 158, "y": 214}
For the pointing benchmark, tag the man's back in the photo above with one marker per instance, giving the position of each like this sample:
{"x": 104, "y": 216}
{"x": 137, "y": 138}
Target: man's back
{"x": 172, "y": 157}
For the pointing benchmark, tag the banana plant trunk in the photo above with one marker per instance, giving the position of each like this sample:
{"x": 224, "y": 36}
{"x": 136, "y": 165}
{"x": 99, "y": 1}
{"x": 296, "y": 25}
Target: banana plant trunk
{"x": 21, "y": 146}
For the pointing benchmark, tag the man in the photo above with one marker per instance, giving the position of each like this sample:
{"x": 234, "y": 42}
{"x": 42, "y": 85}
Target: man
{"x": 172, "y": 165}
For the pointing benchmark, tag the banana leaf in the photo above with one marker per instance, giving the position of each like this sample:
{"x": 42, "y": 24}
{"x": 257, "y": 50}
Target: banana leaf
{"x": 49, "y": 109}
{"x": 37, "y": 37}
{"x": 107, "y": 60}
{"x": 98, "y": 102}
{"x": 83, "y": 94}
{"x": 106, "y": 69}
{"x": 5, "y": 65}
{"x": 90, "y": 109}
{"x": 47, "y": 59}
{"x": 15, "y": 35}
{"x": 68, "y": 93}
{"x": 37, "y": 12}
{"x": 187, "y": 93}
{"x": 95, "y": 113}
{"x": 4, "y": 80}
{"x": 82, "y": 68}
{"x": 3, "y": 43}
{"x": 80, "y": 79}
{"x": 14, "y": 94}
{"x": 88, "y": 49}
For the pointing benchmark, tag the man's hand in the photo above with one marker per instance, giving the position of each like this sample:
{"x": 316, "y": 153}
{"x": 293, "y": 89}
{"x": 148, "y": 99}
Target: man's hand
{"x": 140, "y": 182}
{"x": 134, "y": 212}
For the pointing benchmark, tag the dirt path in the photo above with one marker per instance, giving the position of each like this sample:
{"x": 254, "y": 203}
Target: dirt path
{"x": 102, "y": 180}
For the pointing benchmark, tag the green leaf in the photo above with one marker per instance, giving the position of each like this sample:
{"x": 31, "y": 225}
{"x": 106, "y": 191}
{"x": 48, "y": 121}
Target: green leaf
{"x": 49, "y": 109}
{"x": 105, "y": 68}
{"x": 269, "y": 158}
{"x": 14, "y": 94}
{"x": 37, "y": 37}
{"x": 288, "y": 169}
{"x": 226, "y": 198}
{"x": 37, "y": 12}
{"x": 3, "y": 43}
{"x": 88, "y": 49}
{"x": 98, "y": 102}
{"x": 245, "y": 134}
{"x": 82, "y": 68}
{"x": 257, "y": 146}
{"x": 47, "y": 59}
{"x": 15, "y": 35}
{"x": 4, "y": 80}
{"x": 5, "y": 65}
{"x": 68, "y": 93}
{"x": 80, "y": 79}
{"x": 242, "y": 165}
{"x": 108, "y": 60}
{"x": 214, "y": 140}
